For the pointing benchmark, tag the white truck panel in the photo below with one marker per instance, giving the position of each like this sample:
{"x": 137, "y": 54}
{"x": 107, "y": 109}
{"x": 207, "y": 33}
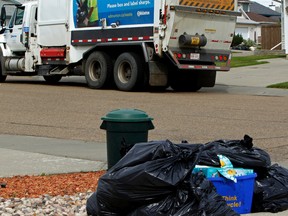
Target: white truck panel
{"x": 52, "y": 20}
{"x": 76, "y": 53}
{"x": 218, "y": 29}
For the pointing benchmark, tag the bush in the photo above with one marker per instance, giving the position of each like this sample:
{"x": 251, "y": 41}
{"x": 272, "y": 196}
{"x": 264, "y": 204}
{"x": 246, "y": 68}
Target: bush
{"x": 237, "y": 39}
{"x": 249, "y": 43}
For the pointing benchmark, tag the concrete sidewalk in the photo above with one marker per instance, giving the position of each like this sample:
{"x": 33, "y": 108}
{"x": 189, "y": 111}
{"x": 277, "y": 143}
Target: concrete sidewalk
{"x": 28, "y": 155}
{"x": 24, "y": 155}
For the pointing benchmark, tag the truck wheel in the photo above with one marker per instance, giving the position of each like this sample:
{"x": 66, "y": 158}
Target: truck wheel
{"x": 98, "y": 70}
{"x": 184, "y": 81}
{"x": 52, "y": 79}
{"x": 2, "y": 78}
{"x": 129, "y": 72}
{"x": 207, "y": 78}
{"x": 179, "y": 86}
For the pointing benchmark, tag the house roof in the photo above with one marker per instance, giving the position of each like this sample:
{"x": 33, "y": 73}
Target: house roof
{"x": 243, "y": 1}
{"x": 260, "y": 18}
{"x": 262, "y": 10}
{"x": 242, "y": 20}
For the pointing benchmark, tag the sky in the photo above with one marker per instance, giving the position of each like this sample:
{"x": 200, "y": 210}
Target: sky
{"x": 266, "y": 2}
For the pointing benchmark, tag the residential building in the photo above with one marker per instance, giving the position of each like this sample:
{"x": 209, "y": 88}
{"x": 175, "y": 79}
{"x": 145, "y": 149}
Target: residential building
{"x": 254, "y": 16}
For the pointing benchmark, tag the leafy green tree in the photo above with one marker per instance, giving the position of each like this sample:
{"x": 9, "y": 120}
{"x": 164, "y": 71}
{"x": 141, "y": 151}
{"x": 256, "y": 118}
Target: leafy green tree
{"x": 237, "y": 39}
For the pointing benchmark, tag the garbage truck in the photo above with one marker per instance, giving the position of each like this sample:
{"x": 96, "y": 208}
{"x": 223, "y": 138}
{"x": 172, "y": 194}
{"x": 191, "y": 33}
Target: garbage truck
{"x": 128, "y": 44}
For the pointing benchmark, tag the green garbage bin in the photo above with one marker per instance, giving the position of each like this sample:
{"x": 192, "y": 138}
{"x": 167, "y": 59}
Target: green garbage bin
{"x": 124, "y": 128}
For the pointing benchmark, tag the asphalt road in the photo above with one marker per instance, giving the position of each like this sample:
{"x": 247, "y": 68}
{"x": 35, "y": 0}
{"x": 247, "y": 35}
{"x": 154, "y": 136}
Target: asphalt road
{"x": 231, "y": 109}
{"x": 48, "y": 129}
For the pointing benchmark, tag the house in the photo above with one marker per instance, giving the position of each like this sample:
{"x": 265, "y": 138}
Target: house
{"x": 254, "y": 16}
{"x": 257, "y": 8}
{"x": 248, "y": 28}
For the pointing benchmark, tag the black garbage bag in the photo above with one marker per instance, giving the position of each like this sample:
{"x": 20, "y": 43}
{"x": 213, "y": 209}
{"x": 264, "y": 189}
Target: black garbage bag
{"x": 271, "y": 192}
{"x": 149, "y": 172}
{"x": 240, "y": 152}
{"x": 194, "y": 196}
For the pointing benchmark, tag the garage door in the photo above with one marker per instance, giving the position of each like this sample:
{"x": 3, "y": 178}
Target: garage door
{"x": 242, "y": 31}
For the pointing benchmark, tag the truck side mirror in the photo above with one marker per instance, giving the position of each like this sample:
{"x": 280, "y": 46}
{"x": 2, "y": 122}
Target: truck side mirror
{"x": 3, "y": 16}
{"x": 2, "y": 30}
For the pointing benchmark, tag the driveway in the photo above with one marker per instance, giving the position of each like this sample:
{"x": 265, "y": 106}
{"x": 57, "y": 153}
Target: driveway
{"x": 256, "y": 76}
{"x": 253, "y": 80}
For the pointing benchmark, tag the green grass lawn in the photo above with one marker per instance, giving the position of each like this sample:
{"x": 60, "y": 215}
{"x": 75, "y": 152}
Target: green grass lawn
{"x": 283, "y": 85}
{"x": 241, "y": 61}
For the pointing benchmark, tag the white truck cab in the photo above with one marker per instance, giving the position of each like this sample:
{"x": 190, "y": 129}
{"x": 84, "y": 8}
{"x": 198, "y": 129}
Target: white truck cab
{"x": 14, "y": 29}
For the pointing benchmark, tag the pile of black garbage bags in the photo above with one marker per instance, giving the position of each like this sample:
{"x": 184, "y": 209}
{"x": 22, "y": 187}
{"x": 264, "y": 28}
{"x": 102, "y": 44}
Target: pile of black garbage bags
{"x": 155, "y": 178}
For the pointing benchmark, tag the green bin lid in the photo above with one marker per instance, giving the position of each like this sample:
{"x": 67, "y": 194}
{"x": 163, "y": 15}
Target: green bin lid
{"x": 127, "y": 115}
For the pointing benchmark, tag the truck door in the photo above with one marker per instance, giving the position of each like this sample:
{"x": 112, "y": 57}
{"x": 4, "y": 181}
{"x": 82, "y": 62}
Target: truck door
{"x": 33, "y": 21}
{"x": 31, "y": 29}
{"x": 14, "y": 31}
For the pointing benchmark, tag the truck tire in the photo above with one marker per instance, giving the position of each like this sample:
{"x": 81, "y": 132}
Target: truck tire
{"x": 2, "y": 78}
{"x": 129, "y": 72}
{"x": 180, "y": 87}
{"x": 98, "y": 70}
{"x": 184, "y": 81}
{"x": 52, "y": 79}
{"x": 207, "y": 78}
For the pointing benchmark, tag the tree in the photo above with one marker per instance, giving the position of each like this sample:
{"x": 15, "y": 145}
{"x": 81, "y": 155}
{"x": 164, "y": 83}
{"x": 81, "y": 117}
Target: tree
{"x": 237, "y": 39}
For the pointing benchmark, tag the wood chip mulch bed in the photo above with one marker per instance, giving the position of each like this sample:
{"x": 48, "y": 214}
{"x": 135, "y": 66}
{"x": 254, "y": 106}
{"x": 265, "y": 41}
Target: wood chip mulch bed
{"x": 53, "y": 185}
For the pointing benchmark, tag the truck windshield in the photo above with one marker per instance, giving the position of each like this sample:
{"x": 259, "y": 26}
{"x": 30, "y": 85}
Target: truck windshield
{"x": 17, "y": 18}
